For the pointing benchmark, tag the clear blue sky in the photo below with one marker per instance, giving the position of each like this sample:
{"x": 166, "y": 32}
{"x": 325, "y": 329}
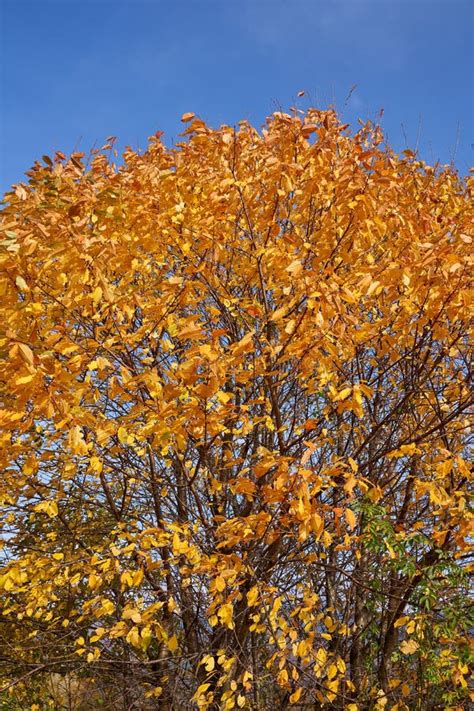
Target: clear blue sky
{"x": 74, "y": 72}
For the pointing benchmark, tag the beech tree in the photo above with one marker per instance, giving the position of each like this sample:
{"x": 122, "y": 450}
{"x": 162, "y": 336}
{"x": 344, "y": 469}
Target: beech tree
{"x": 235, "y": 392}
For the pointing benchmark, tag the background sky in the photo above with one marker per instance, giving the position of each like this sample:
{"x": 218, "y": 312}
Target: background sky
{"x": 76, "y": 71}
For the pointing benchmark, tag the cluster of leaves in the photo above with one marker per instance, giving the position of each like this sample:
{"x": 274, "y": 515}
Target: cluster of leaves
{"x": 235, "y": 392}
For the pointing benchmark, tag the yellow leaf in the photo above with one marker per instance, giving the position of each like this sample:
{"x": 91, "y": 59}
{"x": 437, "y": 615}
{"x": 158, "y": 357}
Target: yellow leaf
{"x": 351, "y": 518}
{"x": 24, "y": 379}
{"x": 279, "y": 313}
{"x": 354, "y": 466}
{"x": 133, "y": 614}
{"x": 296, "y": 696}
{"x": 122, "y": 435}
{"x": 192, "y": 330}
{"x": 409, "y": 646}
{"x": 295, "y": 268}
{"x": 21, "y": 283}
{"x": 223, "y": 396}
{"x": 133, "y": 637}
{"x": 225, "y": 613}
{"x": 208, "y": 352}
{"x": 26, "y": 353}
{"x": 187, "y": 116}
{"x": 94, "y": 581}
{"x": 138, "y": 576}
{"x": 155, "y": 692}
{"x": 209, "y": 662}
{"x": 97, "y": 294}
{"x": 108, "y": 607}
{"x": 220, "y": 583}
{"x": 146, "y": 635}
{"x": 49, "y": 507}
{"x": 401, "y": 621}
{"x": 244, "y": 345}
{"x": 95, "y": 464}
{"x": 201, "y": 690}
{"x": 326, "y": 539}
{"x": 403, "y": 451}
{"x": 252, "y": 596}
{"x": 173, "y": 643}
{"x": 76, "y": 441}
{"x": 342, "y": 394}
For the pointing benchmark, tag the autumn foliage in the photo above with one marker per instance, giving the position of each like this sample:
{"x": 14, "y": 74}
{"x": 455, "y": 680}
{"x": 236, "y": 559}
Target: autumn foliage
{"x": 235, "y": 420}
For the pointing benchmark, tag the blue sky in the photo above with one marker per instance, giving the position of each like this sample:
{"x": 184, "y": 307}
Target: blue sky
{"x": 75, "y": 72}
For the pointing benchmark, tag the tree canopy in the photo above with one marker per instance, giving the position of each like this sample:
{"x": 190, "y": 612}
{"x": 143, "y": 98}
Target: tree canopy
{"x": 235, "y": 407}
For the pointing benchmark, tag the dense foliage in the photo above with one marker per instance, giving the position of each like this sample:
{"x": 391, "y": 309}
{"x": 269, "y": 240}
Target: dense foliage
{"x": 235, "y": 401}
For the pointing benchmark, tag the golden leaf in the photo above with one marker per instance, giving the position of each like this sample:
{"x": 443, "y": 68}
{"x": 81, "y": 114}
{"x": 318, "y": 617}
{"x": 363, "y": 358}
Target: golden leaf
{"x": 225, "y": 613}
{"x": 342, "y": 394}
{"x": 351, "y": 518}
{"x": 409, "y": 646}
{"x": 97, "y": 295}
{"x": 173, "y": 643}
{"x": 295, "y": 696}
{"x": 252, "y": 596}
{"x": 209, "y": 662}
{"x": 21, "y": 283}
{"x": 26, "y": 353}
{"x": 220, "y": 583}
